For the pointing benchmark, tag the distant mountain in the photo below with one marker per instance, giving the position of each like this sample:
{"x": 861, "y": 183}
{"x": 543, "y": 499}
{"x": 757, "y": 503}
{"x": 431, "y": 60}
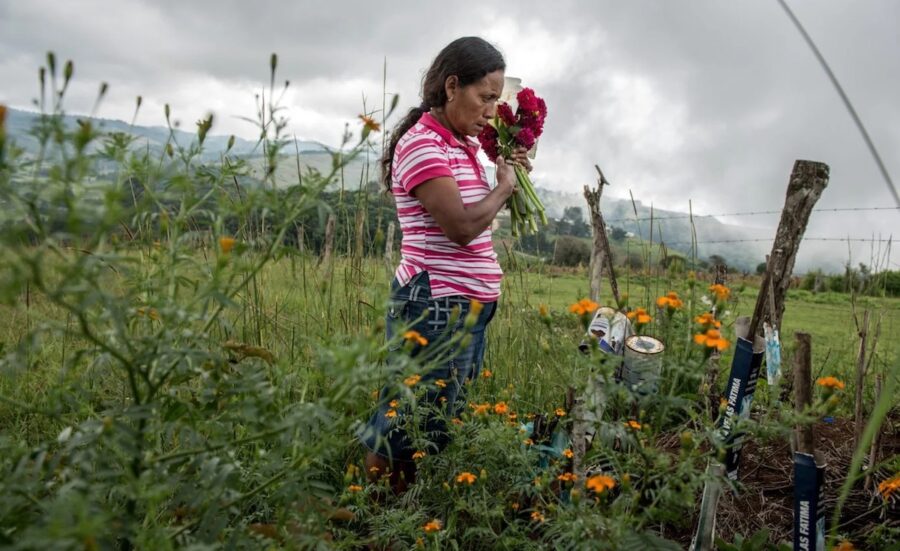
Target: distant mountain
{"x": 19, "y": 124}
{"x": 671, "y": 227}
{"x": 312, "y": 155}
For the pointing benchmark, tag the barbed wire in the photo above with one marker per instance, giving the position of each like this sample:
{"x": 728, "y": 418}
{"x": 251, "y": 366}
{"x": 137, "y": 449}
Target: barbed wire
{"x": 770, "y": 239}
{"x": 745, "y": 213}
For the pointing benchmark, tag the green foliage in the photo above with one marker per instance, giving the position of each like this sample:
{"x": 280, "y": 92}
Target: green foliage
{"x": 571, "y": 251}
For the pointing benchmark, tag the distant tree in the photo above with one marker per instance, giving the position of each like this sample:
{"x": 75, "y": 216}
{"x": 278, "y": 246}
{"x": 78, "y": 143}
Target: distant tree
{"x": 619, "y": 234}
{"x": 761, "y": 268}
{"x": 573, "y": 223}
{"x": 717, "y": 260}
{"x": 571, "y": 251}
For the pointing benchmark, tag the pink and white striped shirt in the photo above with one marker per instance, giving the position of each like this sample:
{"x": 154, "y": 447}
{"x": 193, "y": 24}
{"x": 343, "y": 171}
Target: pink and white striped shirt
{"x": 428, "y": 151}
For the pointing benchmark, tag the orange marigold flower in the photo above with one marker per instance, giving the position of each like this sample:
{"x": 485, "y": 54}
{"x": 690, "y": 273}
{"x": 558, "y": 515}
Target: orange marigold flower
{"x": 643, "y": 319}
{"x": 583, "y": 307}
{"x": 600, "y": 483}
{"x": 480, "y": 409}
{"x": 456, "y": 421}
{"x": 418, "y": 455}
{"x": 889, "y": 486}
{"x": 568, "y": 453}
{"x": 712, "y": 339}
{"x": 500, "y": 408}
{"x": 662, "y": 302}
{"x": 412, "y": 380}
{"x": 415, "y": 337}
{"x": 567, "y": 477}
{"x": 487, "y": 374}
{"x": 560, "y": 412}
{"x": 441, "y": 383}
{"x": 720, "y": 291}
{"x": 226, "y": 243}
{"x": 371, "y": 124}
{"x": 543, "y": 311}
{"x": 845, "y": 545}
{"x": 475, "y": 307}
{"x": 708, "y": 320}
{"x": 632, "y": 424}
{"x": 830, "y": 382}
{"x": 528, "y": 442}
{"x": 394, "y": 403}
{"x": 514, "y": 506}
{"x": 512, "y": 416}
{"x": 536, "y": 516}
{"x": 353, "y": 488}
{"x": 466, "y": 478}
{"x": 432, "y": 526}
{"x": 391, "y": 413}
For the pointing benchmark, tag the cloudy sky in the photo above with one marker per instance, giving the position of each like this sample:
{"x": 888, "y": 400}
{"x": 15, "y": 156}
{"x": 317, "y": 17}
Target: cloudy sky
{"x": 705, "y": 100}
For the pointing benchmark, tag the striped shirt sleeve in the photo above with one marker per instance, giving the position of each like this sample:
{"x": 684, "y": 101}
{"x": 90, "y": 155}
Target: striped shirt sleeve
{"x": 421, "y": 158}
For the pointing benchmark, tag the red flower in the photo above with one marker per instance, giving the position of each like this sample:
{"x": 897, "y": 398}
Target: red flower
{"x": 527, "y": 100}
{"x": 525, "y": 138}
{"x": 488, "y": 139}
{"x": 505, "y": 112}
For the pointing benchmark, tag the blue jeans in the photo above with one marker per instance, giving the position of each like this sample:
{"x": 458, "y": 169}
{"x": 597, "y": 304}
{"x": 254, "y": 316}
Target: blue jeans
{"x": 386, "y": 435}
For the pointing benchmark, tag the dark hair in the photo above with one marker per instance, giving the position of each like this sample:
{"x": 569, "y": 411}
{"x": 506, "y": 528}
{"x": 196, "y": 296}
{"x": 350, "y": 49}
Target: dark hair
{"x": 469, "y": 58}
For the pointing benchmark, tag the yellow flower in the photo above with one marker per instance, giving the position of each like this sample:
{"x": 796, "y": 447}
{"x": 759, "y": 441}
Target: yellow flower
{"x": 567, "y": 477}
{"x": 441, "y": 383}
{"x": 226, "y": 243}
{"x": 536, "y": 516}
{"x": 391, "y": 413}
{"x": 600, "y": 483}
{"x": 830, "y": 382}
{"x": 889, "y": 486}
{"x": 353, "y": 488}
{"x": 633, "y": 424}
{"x": 370, "y": 123}
{"x": 500, "y": 408}
{"x": 466, "y": 478}
{"x": 543, "y": 311}
{"x": 560, "y": 412}
{"x": 414, "y": 336}
{"x": 394, "y": 403}
{"x": 418, "y": 455}
{"x": 432, "y": 526}
{"x": 487, "y": 374}
{"x": 475, "y": 307}
{"x": 568, "y": 453}
{"x": 412, "y": 380}
{"x": 720, "y": 291}
{"x": 528, "y": 442}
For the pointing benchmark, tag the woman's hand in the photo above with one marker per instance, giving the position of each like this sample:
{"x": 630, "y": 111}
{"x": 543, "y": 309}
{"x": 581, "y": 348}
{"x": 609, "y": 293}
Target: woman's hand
{"x": 520, "y": 157}
{"x": 506, "y": 177}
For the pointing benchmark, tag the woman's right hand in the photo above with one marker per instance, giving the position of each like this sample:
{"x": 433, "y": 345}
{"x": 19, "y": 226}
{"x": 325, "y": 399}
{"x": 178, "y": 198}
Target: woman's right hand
{"x": 506, "y": 177}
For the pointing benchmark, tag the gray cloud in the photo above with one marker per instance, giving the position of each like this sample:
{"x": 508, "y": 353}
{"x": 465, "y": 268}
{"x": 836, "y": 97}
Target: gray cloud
{"x": 707, "y": 101}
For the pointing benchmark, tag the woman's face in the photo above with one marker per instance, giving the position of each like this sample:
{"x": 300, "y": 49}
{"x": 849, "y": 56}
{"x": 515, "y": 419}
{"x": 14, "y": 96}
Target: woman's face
{"x": 473, "y": 105}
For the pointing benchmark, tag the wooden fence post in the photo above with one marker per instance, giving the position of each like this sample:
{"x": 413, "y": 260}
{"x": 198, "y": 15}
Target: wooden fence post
{"x": 808, "y": 181}
{"x": 329, "y": 241}
{"x": 601, "y": 254}
{"x": 803, "y": 390}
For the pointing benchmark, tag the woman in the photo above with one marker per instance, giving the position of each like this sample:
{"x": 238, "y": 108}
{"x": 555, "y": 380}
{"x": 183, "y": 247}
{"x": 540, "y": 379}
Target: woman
{"x": 445, "y": 206}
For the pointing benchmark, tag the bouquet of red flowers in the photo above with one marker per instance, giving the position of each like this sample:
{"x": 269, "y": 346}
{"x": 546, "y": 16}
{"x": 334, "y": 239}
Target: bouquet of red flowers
{"x": 507, "y": 131}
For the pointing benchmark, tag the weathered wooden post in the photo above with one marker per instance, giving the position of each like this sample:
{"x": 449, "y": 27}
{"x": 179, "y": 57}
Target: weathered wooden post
{"x": 325, "y": 259}
{"x": 389, "y": 247}
{"x": 601, "y": 254}
{"x": 809, "y": 467}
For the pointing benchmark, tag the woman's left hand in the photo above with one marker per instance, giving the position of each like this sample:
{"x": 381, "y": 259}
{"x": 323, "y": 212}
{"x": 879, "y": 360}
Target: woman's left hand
{"x": 520, "y": 157}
